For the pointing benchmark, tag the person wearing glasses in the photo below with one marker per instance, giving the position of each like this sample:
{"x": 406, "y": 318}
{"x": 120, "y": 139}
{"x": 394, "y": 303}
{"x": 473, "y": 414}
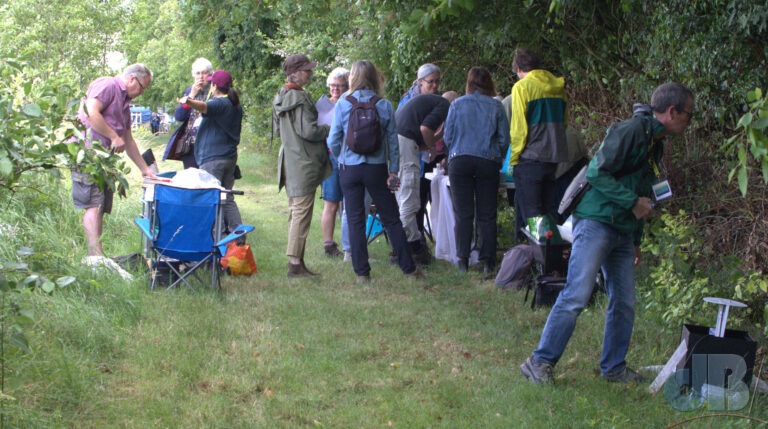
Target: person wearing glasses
{"x": 190, "y": 119}
{"x": 303, "y": 161}
{"x": 607, "y": 230}
{"x": 108, "y": 121}
{"x": 537, "y": 139}
{"x": 330, "y": 190}
{"x": 427, "y": 81}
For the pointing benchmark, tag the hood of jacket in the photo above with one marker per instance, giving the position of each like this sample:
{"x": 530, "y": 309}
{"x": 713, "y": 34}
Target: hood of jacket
{"x": 546, "y": 80}
{"x": 640, "y": 108}
{"x": 288, "y": 99}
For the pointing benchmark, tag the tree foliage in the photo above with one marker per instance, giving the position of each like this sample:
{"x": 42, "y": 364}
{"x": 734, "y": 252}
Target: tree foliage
{"x": 157, "y": 36}
{"x": 68, "y": 39}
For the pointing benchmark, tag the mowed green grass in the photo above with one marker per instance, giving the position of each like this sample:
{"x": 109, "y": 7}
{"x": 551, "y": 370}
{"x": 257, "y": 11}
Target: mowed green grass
{"x": 321, "y": 352}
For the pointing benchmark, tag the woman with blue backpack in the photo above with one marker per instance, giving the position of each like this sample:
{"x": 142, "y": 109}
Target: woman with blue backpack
{"x": 363, "y": 138}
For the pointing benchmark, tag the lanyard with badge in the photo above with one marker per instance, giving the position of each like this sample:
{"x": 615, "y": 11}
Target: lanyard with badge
{"x": 199, "y": 118}
{"x": 662, "y": 189}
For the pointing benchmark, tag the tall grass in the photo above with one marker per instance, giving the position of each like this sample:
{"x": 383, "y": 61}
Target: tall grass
{"x": 267, "y": 352}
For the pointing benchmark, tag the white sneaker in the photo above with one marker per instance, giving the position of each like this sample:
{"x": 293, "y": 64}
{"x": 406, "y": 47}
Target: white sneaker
{"x": 347, "y": 255}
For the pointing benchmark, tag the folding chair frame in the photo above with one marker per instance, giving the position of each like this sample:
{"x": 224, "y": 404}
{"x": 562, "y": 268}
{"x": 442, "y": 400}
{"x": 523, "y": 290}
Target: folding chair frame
{"x": 149, "y": 229}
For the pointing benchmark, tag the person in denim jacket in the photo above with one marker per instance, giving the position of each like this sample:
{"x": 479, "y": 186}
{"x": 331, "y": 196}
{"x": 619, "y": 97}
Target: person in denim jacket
{"x": 476, "y": 138}
{"x": 373, "y": 172}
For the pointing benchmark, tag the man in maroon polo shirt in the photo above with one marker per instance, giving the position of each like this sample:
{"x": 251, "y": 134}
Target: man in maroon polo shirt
{"x": 108, "y": 119}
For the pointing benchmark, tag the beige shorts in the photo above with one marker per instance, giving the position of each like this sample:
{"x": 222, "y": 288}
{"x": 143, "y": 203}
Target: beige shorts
{"x": 86, "y": 194}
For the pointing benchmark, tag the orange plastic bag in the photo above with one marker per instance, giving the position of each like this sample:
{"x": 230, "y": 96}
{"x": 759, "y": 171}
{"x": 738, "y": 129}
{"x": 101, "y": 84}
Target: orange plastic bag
{"x": 239, "y": 259}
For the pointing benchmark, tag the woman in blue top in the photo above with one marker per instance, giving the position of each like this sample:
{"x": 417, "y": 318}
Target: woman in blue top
{"x": 358, "y": 173}
{"x": 476, "y": 140}
{"x": 218, "y": 137}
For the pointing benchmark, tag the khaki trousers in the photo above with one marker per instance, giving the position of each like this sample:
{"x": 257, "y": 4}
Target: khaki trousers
{"x": 298, "y": 223}
{"x": 408, "y": 198}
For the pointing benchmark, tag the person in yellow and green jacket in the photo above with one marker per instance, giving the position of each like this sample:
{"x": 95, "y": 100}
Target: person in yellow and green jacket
{"x": 537, "y": 139}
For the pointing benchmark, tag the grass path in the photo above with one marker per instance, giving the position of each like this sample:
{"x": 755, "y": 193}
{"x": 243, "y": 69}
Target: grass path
{"x": 267, "y": 352}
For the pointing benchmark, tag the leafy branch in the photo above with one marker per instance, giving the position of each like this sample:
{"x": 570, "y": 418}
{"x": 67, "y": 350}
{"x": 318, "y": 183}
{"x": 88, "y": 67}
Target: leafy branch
{"x": 750, "y": 138}
{"x": 38, "y": 133}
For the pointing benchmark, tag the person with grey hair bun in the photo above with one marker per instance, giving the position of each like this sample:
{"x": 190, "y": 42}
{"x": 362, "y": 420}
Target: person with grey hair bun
{"x": 190, "y": 119}
{"x": 105, "y": 111}
{"x": 330, "y": 190}
{"x": 427, "y": 82}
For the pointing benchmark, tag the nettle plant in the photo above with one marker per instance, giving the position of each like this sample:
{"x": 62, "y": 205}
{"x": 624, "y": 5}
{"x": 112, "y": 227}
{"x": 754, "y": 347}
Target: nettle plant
{"x": 750, "y": 139}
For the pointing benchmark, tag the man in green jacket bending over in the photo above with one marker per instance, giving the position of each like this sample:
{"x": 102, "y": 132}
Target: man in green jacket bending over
{"x": 607, "y": 228}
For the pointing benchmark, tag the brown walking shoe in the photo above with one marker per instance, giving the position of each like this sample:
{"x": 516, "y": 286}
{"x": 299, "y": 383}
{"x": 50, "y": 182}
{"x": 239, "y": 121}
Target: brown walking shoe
{"x": 299, "y": 270}
{"x": 417, "y": 274}
{"x": 295, "y": 270}
{"x": 306, "y": 270}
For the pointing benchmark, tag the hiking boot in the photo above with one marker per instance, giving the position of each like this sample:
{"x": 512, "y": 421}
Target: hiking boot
{"x": 422, "y": 256}
{"x": 417, "y": 274}
{"x": 299, "y": 270}
{"x": 489, "y": 268}
{"x": 538, "y": 373}
{"x": 332, "y": 250}
{"x": 363, "y": 279}
{"x": 306, "y": 270}
{"x": 296, "y": 270}
{"x": 626, "y": 375}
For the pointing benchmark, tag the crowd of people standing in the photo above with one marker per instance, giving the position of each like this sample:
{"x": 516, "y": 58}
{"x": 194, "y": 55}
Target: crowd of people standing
{"x": 363, "y": 152}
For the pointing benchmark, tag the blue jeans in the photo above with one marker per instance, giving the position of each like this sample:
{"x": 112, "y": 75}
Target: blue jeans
{"x": 595, "y": 245}
{"x": 330, "y": 189}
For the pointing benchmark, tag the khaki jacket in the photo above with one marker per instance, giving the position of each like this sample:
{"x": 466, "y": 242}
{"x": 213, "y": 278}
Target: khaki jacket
{"x": 303, "y": 162}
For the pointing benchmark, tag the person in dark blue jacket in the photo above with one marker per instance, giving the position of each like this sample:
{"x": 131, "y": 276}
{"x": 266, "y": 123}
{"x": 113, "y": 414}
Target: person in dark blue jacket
{"x": 190, "y": 119}
{"x": 218, "y": 137}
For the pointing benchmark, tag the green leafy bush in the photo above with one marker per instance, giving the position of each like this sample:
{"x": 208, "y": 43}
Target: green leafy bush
{"x": 38, "y": 132}
{"x": 685, "y": 270}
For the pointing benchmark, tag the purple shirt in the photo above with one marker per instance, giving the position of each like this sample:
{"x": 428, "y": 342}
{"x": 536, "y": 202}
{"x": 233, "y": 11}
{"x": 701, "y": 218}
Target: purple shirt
{"x": 116, "y": 110}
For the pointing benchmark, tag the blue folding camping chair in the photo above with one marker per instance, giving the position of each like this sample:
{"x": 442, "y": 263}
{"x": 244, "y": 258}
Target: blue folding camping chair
{"x": 183, "y": 225}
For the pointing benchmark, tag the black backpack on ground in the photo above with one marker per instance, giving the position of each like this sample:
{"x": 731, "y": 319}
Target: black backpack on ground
{"x": 364, "y": 129}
